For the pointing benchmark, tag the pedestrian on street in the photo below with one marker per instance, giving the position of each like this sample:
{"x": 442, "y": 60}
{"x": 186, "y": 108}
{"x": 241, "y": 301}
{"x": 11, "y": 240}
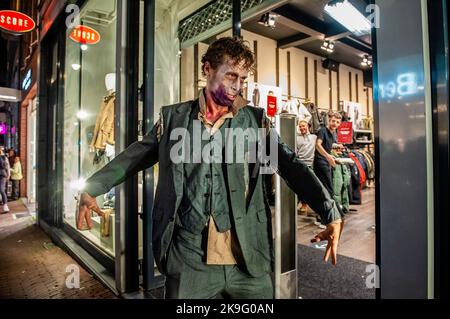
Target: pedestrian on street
{"x": 212, "y": 230}
{"x": 16, "y": 177}
{"x": 4, "y": 177}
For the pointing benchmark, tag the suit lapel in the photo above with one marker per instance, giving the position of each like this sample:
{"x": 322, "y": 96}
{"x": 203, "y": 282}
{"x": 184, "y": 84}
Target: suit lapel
{"x": 180, "y": 119}
{"x": 236, "y": 171}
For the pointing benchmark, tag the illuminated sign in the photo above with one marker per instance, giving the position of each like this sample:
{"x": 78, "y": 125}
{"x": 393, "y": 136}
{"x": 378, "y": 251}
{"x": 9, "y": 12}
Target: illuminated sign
{"x": 85, "y": 35}
{"x": 26, "y": 83}
{"x": 16, "y": 21}
{"x": 2, "y": 129}
{"x": 406, "y": 84}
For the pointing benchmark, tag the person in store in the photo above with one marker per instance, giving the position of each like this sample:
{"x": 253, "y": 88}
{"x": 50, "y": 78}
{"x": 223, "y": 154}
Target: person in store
{"x": 212, "y": 233}
{"x": 16, "y": 177}
{"x": 323, "y": 160}
{"x": 306, "y": 145}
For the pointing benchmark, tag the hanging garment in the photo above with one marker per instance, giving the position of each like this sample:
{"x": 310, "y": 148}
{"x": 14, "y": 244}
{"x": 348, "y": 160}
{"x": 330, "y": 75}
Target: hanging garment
{"x": 354, "y": 188}
{"x": 290, "y": 107}
{"x": 362, "y": 160}
{"x": 362, "y": 174}
{"x": 341, "y": 181}
{"x": 256, "y": 97}
{"x": 315, "y": 121}
{"x": 104, "y": 125}
{"x": 371, "y": 165}
{"x": 303, "y": 113}
{"x": 324, "y": 118}
{"x": 368, "y": 123}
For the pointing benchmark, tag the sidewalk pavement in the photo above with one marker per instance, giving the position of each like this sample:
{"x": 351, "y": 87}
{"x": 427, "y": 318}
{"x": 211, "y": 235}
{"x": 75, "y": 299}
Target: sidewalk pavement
{"x": 32, "y": 267}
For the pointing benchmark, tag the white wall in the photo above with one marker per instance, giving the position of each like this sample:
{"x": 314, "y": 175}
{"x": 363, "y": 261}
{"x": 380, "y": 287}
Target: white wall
{"x": 266, "y": 68}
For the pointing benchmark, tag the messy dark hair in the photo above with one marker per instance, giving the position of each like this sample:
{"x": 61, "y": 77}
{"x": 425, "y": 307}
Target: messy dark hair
{"x": 234, "y": 48}
{"x": 336, "y": 115}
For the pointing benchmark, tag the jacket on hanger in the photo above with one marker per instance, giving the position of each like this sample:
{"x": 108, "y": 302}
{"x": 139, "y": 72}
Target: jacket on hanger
{"x": 315, "y": 121}
{"x": 104, "y": 125}
{"x": 303, "y": 113}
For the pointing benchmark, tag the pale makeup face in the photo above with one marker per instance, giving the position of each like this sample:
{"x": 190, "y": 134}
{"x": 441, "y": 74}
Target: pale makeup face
{"x": 226, "y": 82}
{"x": 334, "y": 123}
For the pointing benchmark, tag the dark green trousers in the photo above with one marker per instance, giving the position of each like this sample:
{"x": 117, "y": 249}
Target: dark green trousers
{"x": 189, "y": 277}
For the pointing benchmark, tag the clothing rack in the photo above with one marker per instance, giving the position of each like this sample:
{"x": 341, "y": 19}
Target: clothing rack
{"x": 295, "y": 97}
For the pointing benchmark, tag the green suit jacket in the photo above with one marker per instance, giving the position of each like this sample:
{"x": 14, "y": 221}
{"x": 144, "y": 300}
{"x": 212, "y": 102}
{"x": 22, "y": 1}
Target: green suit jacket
{"x": 251, "y": 215}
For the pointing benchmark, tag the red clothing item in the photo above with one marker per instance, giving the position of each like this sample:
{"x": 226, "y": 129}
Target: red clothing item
{"x": 362, "y": 174}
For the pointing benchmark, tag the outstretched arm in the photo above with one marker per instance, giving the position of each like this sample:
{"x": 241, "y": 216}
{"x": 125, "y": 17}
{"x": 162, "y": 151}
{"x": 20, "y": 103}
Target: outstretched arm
{"x": 136, "y": 157}
{"x": 302, "y": 180}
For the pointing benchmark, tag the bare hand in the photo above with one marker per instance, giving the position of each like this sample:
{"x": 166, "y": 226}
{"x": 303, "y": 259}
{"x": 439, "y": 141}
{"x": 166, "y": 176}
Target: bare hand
{"x": 331, "y": 161}
{"x": 332, "y": 234}
{"x": 88, "y": 202}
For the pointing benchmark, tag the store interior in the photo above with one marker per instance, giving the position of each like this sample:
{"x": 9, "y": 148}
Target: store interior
{"x": 310, "y": 61}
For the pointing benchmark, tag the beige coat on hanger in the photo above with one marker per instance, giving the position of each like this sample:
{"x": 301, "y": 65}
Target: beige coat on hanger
{"x": 104, "y": 125}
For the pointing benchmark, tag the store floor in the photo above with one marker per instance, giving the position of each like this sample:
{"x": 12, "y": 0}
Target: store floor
{"x": 356, "y": 254}
{"x": 358, "y": 237}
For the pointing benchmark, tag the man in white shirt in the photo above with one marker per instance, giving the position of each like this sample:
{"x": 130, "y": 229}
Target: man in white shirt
{"x": 306, "y": 145}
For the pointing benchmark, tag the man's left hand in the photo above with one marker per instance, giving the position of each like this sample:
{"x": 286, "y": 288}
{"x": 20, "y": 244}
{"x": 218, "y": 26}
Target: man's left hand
{"x": 332, "y": 234}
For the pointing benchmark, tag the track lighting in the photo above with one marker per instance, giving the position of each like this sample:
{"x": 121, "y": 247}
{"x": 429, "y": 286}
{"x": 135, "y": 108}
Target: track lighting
{"x": 268, "y": 20}
{"x": 366, "y": 61}
{"x": 328, "y": 46}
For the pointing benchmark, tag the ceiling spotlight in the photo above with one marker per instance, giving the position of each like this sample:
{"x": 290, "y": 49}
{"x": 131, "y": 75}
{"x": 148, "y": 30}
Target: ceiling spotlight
{"x": 366, "y": 61}
{"x": 268, "y": 20}
{"x": 328, "y": 46}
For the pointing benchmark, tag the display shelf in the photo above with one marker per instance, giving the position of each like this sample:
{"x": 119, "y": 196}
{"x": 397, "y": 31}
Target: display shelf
{"x": 364, "y": 142}
{"x": 363, "y": 131}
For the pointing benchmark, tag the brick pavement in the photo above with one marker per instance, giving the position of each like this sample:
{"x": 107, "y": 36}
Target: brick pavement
{"x": 31, "y": 267}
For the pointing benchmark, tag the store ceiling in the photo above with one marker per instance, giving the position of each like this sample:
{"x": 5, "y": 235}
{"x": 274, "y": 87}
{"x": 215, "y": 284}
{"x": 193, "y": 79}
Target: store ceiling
{"x": 304, "y": 24}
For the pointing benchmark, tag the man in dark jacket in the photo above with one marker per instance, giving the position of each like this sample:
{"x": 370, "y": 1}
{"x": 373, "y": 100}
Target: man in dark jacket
{"x": 212, "y": 231}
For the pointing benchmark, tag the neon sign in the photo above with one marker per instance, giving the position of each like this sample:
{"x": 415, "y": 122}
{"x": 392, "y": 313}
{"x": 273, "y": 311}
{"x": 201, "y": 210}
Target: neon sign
{"x": 2, "y": 129}
{"x": 85, "y": 35}
{"x": 16, "y": 21}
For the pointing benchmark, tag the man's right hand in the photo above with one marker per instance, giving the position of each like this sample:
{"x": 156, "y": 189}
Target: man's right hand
{"x": 331, "y": 161}
{"x": 90, "y": 203}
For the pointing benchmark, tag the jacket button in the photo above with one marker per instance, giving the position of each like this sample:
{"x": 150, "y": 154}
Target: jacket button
{"x": 206, "y": 195}
{"x": 208, "y": 176}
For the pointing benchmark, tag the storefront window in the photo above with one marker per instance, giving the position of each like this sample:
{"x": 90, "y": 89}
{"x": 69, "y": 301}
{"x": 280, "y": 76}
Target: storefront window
{"x": 89, "y": 113}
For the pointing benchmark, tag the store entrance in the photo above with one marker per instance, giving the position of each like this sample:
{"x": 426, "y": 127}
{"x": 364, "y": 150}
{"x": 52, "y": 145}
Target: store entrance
{"x": 310, "y": 75}
{"x": 313, "y": 66}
